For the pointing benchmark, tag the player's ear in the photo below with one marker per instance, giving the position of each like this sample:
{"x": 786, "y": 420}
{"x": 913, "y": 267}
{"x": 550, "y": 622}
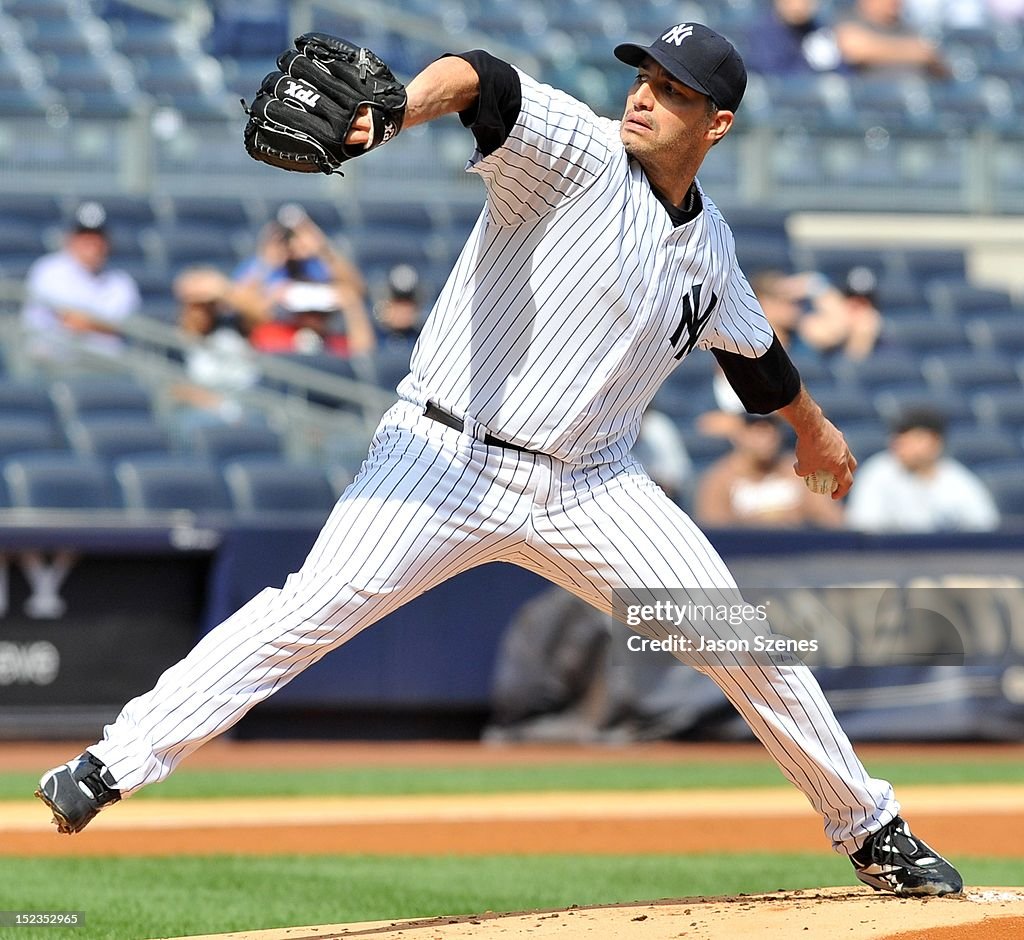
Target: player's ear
{"x": 721, "y": 122}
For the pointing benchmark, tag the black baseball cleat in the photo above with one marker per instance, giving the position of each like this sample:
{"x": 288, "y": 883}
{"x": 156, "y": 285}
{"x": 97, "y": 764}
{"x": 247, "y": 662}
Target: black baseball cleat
{"x": 893, "y": 859}
{"x": 77, "y": 791}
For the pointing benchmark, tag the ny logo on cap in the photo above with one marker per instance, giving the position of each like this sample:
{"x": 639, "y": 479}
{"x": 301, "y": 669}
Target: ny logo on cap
{"x": 677, "y": 34}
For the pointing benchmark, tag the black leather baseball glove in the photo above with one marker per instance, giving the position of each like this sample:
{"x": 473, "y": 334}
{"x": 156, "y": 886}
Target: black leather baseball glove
{"x": 303, "y": 112}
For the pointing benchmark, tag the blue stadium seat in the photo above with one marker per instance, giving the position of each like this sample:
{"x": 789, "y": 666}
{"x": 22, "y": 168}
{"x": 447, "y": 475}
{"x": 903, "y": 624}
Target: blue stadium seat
{"x": 705, "y": 449}
{"x": 28, "y": 434}
{"x": 263, "y": 485}
{"x": 391, "y": 365}
{"x": 865, "y": 438}
{"x": 1001, "y": 408}
{"x": 223, "y": 442}
{"x": 924, "y": 264}
{"x": 25, "y": 399}
{"x": 953, "y": 405}
{"x": 969, "y": 371}
{"x": 835, "y": 263}
{"x": 61, "y": 481}
{"x": 985, "y": 448}
{"x": 847, "y": 406}
{"x": 21, "y": 243}
{"x": 38, "y": 209}
{"x": 885, "y": 370}
{"x": 1002, "y": 333}
{"x": 226, "y": 215}
{"x": 961, "y": 299}
{"x": 114, "y": 438}
{"x": 184, "y": 244}
{"x": 78, "y": 396}
{"x": 170, "y": 483}
{"x": 926, "y": 334}
{"x": 1006, "y": 484}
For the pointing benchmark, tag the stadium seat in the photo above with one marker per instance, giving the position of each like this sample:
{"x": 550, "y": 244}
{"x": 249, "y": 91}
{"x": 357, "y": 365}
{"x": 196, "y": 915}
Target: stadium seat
{"x": 169, "y": 483}
{"x": 970, "y": 371}
{"x": 705, "y": 449}
{"x": 391, "y": 365}
{"x": 865, "y": 438}
{"x": 1001, "y": 333}
{"x": 925, "y": 334}
{"x": 985, "y": 447}
{"x": 925, "y": 264}
{"x": 21, "y": 399}
{"x": 78, "y": 396}
{"x": 263, "y": 485}
{"x": 114, "y": 438}
{"x": 1006, "y": 484}
{"x": 28, "y": 434}
{"x": 1001, "y": 408}
{"x": 885, "y": 370}
{"x": 225, "y": 215}
{"x": 952, "y": 405}
{"x": 62, "y": 481}
{"x": 223, "y": 442}
{"x": 844, "y": 406}
{"x": 960, "y": 299}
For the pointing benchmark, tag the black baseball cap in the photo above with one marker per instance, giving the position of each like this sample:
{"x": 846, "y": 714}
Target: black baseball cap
{"x": 90, "y": 217}
{"x": 698, "y": 57}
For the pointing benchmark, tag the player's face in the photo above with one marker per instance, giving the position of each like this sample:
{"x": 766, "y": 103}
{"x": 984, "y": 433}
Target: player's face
{"x": 662, "y": 114}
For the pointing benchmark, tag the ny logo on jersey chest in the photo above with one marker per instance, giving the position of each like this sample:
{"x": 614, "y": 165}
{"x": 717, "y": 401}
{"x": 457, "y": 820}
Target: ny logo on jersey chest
{"x": 692, "y": 321}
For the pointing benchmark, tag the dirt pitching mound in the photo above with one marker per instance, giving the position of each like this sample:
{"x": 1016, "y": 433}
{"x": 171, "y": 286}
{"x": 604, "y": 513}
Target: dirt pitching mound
{"x": 850, "y": 913}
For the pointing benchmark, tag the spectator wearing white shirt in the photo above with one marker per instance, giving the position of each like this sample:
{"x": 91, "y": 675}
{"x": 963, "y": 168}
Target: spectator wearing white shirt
{"x": 913, "y": 487}
{"x": 72, "y": 299}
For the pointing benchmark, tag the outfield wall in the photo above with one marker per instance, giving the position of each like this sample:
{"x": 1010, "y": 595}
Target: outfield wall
{"x": 90, "y": 615}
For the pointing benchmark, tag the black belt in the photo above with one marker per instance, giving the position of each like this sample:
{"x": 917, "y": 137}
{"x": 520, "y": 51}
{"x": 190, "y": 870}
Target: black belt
{"x": 446, "y": 418}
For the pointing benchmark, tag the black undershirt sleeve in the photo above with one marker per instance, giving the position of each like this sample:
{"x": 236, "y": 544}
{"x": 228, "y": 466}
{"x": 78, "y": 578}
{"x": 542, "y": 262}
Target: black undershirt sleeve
{"x": 764, "y": 384}
{"x": 496, "y": 109}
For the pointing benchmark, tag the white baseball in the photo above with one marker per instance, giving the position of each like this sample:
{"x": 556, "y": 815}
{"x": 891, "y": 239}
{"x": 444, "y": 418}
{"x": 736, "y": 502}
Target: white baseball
{"x": 821, "y": 481}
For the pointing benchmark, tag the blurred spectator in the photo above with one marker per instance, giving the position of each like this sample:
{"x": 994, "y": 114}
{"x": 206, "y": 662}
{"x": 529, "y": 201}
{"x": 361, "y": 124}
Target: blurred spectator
{"x": 219, "y": 361}
{"x": 848, "y": 323}
{"x": 913, "y": 487}
{"x": 755, "y": 485}
{"x": 793, "y": 39}
{"x": 662, "y": 453}
{"x": 785, "y": 299}
{"x": 874, "y": 39}
{"x": 313, "y": 312}
{"x": 73, "y": 299}
{"x": 399, "y": 316}
{"x": 293, "y": 249}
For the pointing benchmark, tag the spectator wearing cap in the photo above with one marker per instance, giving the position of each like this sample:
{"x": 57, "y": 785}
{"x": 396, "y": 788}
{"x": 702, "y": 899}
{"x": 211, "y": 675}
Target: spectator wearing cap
{"x": 313, "y": 313}
{"x": 399, "y": 315}
{"x": 848, "y": 323}
{"x": 293, "y": 249}
{"x": 755, "y": 486}
{"x": 793, "y": 39}
{"x": 913, "y": 487}
{"x": 74, "y": 302}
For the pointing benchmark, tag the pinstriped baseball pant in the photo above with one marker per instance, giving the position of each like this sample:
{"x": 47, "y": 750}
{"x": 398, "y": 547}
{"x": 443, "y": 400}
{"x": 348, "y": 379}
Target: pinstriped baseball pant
{"x": 431, "y": 502}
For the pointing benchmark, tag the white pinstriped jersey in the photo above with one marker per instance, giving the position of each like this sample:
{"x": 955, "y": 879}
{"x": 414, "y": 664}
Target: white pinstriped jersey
{"x": 575, "y": 296}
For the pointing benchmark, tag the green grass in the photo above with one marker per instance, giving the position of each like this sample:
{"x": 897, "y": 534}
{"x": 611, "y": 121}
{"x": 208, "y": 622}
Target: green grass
{"x": 131, "y": 898}
{"x": 385, "y": 781}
